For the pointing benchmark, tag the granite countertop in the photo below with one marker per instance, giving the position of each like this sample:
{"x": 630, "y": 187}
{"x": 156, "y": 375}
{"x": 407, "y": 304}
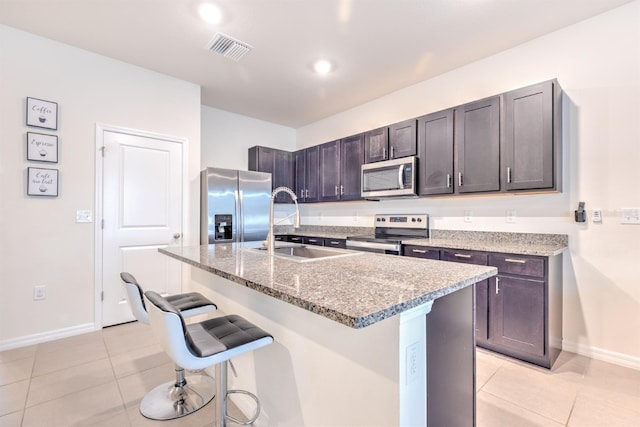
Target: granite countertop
{"x": 539, "y": 244}
{"x": 356, "y": 290}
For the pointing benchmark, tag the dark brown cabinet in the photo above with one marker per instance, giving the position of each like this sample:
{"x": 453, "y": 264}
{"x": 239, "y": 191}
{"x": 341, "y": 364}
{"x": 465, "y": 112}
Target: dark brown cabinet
{"x": 336, "y": 243}
{"x": 307, "y": 174}
{"x": 391, "y": 142}
{"x": 351, "y": 160}
{"x": 376, "y": 145}
{"x": 531, "y": 138}
{"x": 435, "y": 153}
{"x": 329, "y": 173}
{"x": 477, "y": 141}
{"x": 519, "y": 311}
{"x": 278, "y": 163}
{"x": 316, "y": 241}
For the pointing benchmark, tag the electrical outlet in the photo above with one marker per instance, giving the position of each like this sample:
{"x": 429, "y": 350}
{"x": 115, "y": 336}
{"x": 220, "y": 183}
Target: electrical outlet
{"x": 511, "y": 216}
{"x": 630, "y": 216}
{"x": 413, "y": 368}
{"x": 39, "y": 292}
{"x": 468, "y": 216}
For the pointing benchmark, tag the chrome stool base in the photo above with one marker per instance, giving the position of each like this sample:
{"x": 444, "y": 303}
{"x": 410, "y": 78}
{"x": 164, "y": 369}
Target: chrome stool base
{"x": 169, "y": 401}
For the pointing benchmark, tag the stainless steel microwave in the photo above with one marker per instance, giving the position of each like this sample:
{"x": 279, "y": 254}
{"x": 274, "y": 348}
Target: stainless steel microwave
{"x": 390, "y": 178}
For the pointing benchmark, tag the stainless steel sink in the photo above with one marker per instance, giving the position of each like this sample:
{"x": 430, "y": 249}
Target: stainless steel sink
{"x": 304, "y": 253}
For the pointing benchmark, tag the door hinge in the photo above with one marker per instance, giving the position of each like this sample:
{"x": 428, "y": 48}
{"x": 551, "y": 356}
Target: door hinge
{"x": 102, "y": 296}
{"x": 102, "y": 224}
{"x": 102, "y": 150}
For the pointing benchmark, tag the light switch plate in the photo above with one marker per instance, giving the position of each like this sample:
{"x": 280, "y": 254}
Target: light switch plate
{"x": 84, "y": 216}
{"x": 597, "y": 215}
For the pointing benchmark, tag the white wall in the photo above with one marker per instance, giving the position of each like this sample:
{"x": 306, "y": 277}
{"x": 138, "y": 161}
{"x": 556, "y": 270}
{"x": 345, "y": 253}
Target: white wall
{"x": 597, "y": 62}
{"x": 226, "y": 138}
{"x": 41, "y": 244}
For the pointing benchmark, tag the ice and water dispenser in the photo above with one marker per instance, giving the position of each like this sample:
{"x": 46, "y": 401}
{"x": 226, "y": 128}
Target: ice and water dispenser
{"x": 223, "y": 227}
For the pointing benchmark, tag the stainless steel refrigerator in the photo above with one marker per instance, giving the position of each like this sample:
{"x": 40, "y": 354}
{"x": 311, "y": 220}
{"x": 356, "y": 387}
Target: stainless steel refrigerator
{"x": 234, "y": 205}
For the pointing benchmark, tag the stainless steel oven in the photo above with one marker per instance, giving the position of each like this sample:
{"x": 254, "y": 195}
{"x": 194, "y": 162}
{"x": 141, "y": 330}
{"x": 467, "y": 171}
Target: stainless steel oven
{"x": 389, "y": 232}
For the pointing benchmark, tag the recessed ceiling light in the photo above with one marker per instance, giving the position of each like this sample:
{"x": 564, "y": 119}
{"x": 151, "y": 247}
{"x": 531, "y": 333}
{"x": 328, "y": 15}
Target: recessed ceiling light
{"x": 210, "y": 13}
{"x": 322, "y": 66}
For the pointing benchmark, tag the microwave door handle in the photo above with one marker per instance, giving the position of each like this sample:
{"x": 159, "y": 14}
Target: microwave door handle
{"x": 401, "y": 177}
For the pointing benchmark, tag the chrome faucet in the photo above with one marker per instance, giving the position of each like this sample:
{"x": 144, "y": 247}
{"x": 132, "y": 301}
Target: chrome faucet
{"x": 271, "y": 241}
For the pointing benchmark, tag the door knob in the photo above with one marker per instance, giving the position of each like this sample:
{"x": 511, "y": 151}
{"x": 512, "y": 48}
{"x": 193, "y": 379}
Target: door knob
{"x": 177, "y": 236}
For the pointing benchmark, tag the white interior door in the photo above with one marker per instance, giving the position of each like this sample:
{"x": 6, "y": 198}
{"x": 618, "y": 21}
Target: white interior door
{"x": 142, "y": 211}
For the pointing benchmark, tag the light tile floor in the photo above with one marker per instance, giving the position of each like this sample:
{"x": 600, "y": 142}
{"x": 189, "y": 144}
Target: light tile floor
{"x": 98, "y": 379}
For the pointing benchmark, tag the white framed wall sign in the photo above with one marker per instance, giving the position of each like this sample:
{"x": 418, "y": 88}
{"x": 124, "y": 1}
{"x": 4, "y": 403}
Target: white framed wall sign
{"x": 42, "y": 147}
{"x": 42, "y": 114}
{"x": 42, "y": 182}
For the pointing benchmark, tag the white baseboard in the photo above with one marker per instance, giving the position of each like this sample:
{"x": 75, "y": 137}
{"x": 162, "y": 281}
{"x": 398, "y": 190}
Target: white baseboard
{"x": 46, "y": 336}
{"x": 603, "y": 355}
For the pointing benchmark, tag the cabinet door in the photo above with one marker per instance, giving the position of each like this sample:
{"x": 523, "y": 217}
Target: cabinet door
{"x": 477, "y": 141}
{"x": 329, "y": 175}
{"x": 300, "y": 174}
{"x": 283, "y": 174}
{"x": 312, "y": 173}
{"x": 482, "y": 312}
{"x": 518, "y": 313}
{"x": 527, "y": 140}
{"x": 435, "y": 153}
{"x": 376, "y": 144}
{"x": 351, "y": 160}
{"x": 402, "y": 139}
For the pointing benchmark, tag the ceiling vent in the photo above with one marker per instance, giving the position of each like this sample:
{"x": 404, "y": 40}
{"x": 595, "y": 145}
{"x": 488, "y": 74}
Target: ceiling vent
{"x": 229, "y": 47}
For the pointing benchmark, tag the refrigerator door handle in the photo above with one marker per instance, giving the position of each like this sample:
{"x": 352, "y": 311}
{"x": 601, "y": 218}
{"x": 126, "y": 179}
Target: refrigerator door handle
{"x": 240, "y": 214}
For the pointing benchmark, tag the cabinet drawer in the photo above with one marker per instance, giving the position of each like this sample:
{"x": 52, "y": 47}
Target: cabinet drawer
{"x": 420, "y": 252}
{"x": 468, "y": 257}
{"x": 318, "y": 241}
{"x": 517, "y": 264}
{"x": 336, "y": 243}
{"x": 295, "y": 239}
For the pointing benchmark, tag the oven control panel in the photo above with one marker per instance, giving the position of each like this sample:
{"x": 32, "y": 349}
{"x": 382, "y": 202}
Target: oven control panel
{"x": 417, "y": 221}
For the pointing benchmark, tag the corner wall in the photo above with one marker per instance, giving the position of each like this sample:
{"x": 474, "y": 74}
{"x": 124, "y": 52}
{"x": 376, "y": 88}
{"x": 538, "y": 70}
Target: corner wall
{"x": 597, "y": 63}
{"x": 41, "y": 243}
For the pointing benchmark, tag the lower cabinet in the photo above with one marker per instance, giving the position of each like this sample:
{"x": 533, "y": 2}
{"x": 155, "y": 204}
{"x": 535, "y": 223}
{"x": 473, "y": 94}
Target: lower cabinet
{"x": 313, "y": 240}
{"x": 519, "y": 311}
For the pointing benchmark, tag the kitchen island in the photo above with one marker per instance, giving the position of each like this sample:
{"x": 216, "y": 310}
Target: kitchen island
{"x": 358, "y": 337}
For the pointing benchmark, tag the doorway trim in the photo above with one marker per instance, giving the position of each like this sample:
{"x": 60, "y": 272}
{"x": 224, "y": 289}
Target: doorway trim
{"x": 101, "y": 128}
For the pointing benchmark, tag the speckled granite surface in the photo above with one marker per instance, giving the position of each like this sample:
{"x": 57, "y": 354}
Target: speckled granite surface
{"x": 514, "y": 243}
{"x": 356, "y": 291}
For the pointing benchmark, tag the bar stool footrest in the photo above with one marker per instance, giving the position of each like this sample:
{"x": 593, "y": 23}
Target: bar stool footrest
{"x": 255, "y": 415}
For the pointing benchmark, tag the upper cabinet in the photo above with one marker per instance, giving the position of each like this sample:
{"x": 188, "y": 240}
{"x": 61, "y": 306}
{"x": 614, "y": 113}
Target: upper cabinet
{"x": 477, "y": 141}
{"x": 392, "y": 142}
{"x": 307, "y": 174}
{"x": 329, "y": 173}
{"x": 351, "y": 160}
{"x": 435, "y": 153}
{"x": 506, "y": 143}
{"x": 531, "y": 138}
{"x": 278, "y": 163}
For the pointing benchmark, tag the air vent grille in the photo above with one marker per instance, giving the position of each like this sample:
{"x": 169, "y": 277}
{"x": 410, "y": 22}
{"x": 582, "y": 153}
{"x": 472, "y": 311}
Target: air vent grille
{"x": 229, "y": 47}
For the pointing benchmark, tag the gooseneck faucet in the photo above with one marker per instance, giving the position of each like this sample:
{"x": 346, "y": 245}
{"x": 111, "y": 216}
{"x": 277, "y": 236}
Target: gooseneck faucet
{"x": 271, "y": 241}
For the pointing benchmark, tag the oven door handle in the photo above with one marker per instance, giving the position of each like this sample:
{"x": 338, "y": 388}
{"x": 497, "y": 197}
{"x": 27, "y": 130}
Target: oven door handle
{"x": 372, "y": 245}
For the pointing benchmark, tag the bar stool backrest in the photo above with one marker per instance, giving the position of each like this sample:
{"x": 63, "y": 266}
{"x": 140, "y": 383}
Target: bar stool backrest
{"x": 135, "y": 297}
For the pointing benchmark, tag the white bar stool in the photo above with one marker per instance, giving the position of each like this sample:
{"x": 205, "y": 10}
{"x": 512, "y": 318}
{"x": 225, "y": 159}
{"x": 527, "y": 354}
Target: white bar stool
{"x": 173, "y": 399}
{"x": 207, "y": 343}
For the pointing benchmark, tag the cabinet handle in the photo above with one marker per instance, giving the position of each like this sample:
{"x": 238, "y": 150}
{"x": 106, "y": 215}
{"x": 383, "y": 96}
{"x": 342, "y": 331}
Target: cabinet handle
{"x": 336, "y": 190}
{"x": 384, "y": 153}
{"x": 462, "y": 255}
{"x": 295, "y": 239}
{"x": 334, "y": 242}
{"x": 497, "y": 285}
{"x": 459, "y": 179}
{"x": 448, "y": 180}
{"x": 341, "y": 190}
{"x": 306, "y": 193}
{"x": 419, "y": 251}
{"x": 517, "y": 261}
{"x": 393, "y": 152}
{"x": 508, "y": 175}
{"x": 313, "y": 240}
